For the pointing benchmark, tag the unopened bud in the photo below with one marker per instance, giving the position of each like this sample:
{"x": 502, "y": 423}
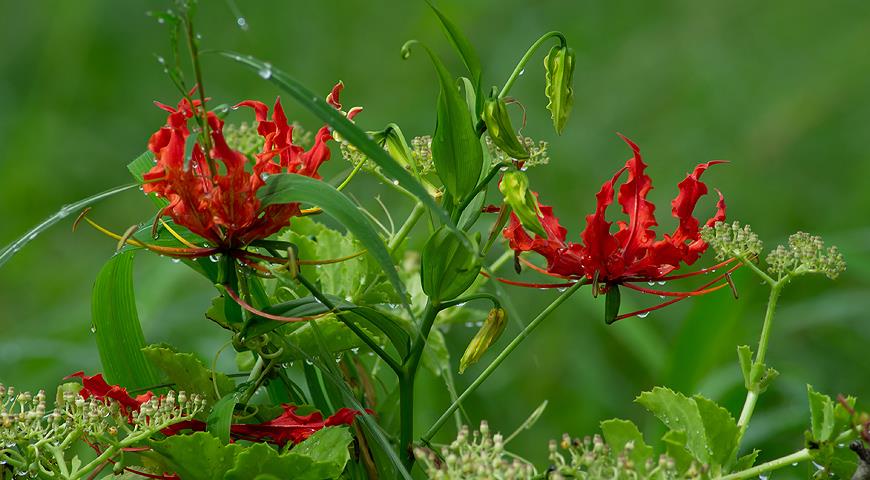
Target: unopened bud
{"x": 487, "y": 335}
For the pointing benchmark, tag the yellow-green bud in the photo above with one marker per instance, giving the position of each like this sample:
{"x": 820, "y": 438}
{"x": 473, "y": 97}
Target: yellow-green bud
{"x": 487, "y": 335}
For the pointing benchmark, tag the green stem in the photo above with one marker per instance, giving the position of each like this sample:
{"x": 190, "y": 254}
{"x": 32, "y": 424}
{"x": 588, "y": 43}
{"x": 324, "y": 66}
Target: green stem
{"x": 459, "y": 301}
{"x": 799, "y": 456}
{"x": 753, "y": 391}
{"x": 352, "y": 174}
{"x": 752, "y": 266}
{"x": 197, "y": 71}
{"x": 406, "y": 227}
{"x": 481, "y": 186}
{"x": 500, "y": 358}
{"x": 406, "y": 383}
{"x": 523, "y": 61}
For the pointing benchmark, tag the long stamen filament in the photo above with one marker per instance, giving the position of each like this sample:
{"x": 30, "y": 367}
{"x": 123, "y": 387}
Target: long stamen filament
{"x": 263, "y": 314}
{"x": 170, "y": 251}
{"x": 529, "y": 285}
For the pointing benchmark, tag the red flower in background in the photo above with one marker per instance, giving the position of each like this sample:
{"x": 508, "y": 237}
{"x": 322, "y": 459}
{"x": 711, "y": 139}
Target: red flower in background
{"x": 632, "y": 254}
{"x": 216, "y": 197}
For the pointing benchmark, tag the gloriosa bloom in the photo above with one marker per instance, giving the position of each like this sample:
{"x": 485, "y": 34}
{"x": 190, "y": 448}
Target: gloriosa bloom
{"x": 632, "y": 254}
{"x": 218, "y": 201}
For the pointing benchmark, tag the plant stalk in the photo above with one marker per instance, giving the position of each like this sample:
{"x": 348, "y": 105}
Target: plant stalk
{"x": 518, "y": 70}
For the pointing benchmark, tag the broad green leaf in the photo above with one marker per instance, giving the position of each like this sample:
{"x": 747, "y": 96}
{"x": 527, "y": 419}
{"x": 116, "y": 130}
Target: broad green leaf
{"x": 675, "y": 447}
{"x": 199, "y": 456}
{"x": 744, "y": 355}
{"x": 116, "y": 326}
{"x": 286, "y": 188}
{"x": 337, "y": 336}
{"x": 226, "y": 314}
{"x": 619, "y": 433}
{"x": 514, "y": 187}
{"x": 345, "y": 128}
{"x": 560, "y": 84}
{"x": 678, "y": 413}
{"x": 720, "y": 428}
{"x": 456, "y": 150}
{"x": 10, "y": 250}
{"x": 821, "y": 415}
{"x": 141, "y": 165}
{"x": 389, "y": 325}
{"x": 322, "y": 456}
{"x": 188, "y": 373}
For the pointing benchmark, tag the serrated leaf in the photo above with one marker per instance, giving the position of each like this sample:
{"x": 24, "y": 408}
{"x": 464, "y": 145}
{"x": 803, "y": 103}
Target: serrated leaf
{"x": 322, "y": 456}
{"x": 188, "y": 373}
{"x": 679, "y": 413}
{"x": 720, "y": 429}
{"x": 559, "y": 65}
{"x": 744, "y": 356}
{"x": 10, "y": 250}
{"x": 619, "y": 433}
{"x": 199, "y": 456}
{"x": 286, "y": 188}
{"x": 675, "y": 447}
{"x": 746, "y": 461}
{"x": 347, "y": 129}
{"x": 821, "y": 415}
{"x": 116, "y": 326}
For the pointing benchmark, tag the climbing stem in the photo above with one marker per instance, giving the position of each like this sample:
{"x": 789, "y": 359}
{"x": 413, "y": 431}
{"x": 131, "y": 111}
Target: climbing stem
{"x": 406, "y": 382}
{"x": 518, "y": 70}
{"x": 500, "y": 358}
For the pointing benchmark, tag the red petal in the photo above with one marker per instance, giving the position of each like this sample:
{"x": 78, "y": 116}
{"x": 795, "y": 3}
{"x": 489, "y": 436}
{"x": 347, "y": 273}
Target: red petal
{"x": 691, "y": 189}
{"x": 599, "y": 243}
{"x": 332, "y": 98}
{"x": 638, "y": 235}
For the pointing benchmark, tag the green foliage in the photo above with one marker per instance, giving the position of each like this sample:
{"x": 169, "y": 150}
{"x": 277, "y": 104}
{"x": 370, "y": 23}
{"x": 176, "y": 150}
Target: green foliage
{"x": 116, "y": 325}
{"x": 514, "y": 187}
{"x": 188, "y": 373}
{"x": 447, "y": 266}
{"x": 502, "y": 133}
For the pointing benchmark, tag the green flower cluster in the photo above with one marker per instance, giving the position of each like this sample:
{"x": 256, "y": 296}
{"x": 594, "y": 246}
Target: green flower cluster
{"x": 539, "y": 152}
{"x": 732, "y": 240}
{"x": 591, "y": 458}
{"x": 805, "y": 253}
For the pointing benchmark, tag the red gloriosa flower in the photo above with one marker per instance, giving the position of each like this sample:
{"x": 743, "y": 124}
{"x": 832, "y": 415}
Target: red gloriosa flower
{"x": 632, "y": 254}
{"x": 216, "y": 197}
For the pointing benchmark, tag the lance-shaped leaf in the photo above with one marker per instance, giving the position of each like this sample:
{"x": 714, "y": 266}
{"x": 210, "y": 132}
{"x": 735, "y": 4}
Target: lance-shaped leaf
{"x": 447, "y": 267}
{"x": 465, "y": 49}
{"x": 347, "y": 129}
{"x": 514, "y": 187}
{"x": 116, "y": 326}
{"x": 456, "y": 150}
{"x": 560, "y": 84}
{"x": 498, "y": 124}
{"x": 289, "y": 187}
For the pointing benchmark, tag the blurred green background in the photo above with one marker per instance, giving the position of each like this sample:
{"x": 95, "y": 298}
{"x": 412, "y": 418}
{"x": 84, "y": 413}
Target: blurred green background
{"x": 779, "y": 88}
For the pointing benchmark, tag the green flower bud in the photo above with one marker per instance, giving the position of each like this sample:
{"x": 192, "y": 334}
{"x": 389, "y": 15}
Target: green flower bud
{"x": 498, "y": 124}
{"x": 447, "y": 266}
{"x": 560, "y": 84}
{"x": 515, "y": 188}
{"x": 487, "y": 335}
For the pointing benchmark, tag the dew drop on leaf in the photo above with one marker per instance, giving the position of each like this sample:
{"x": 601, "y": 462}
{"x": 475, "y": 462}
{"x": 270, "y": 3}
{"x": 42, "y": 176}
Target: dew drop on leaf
{"x": 243, "y": 23}
{"x": 643, "y": 315}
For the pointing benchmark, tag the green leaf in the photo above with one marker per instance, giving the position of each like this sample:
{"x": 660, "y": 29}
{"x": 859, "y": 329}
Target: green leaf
{"x": 501, "y": 131}
{"x": 514, "y": 187}
{"x": 220, "y": 419}
{"x": 347, "y": 129}
{"x": 462, "y": 45}
{"x": 456, "y": 150}
{"x": 188, "y": 373}
{"x": 720, "y": 428}
{"x": 288, "y": 187}
{"x": 336, "y": 335}
{"x": 680, "y": 414}
{"x": 322, "y": 456}
{"x": 559, "y": 66}
{"x": 619, "y": 433}
{"x": 199, "y": 456}
{"x": 746, "y": 461}
{"x": 675, "y": 447}
{"x": 744, "y": 355}
{"x": 821, "y": 415}
{"x": 117, "y": 330}
{"x": 389, "y": 325}
{"x": 10, "y": 250}
{"x": 226, "y": 314}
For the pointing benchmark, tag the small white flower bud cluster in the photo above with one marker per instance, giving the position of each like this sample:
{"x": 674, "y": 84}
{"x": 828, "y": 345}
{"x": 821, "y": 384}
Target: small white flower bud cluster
{"x": 732, "y": 240}
{"x": 806, "y": 253}
{"x": 591, "y": 457}
{"x": 539, "y": 152}
{"x": 421, "y": 151}
{"x": 475, "y": 455}
{"x": 29, "y": 432}
{"x": 244, "y": 138}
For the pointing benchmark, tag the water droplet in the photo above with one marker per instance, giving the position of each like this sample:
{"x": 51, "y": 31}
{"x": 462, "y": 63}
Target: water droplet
{"x": 93, "y": 328}
{"x": 469, "y": 324}
{"x": 522, "y": 72}
{"x": 175, "y": 260}
{"x": 763, "y": 476}
{"x": 562, "y": 289}
{"x": 794, "y": 464}
{"x": 264, "y": 176}
{"x": 308, "y": 362}
{"x": 662, "y": 297}
{"x": 662, "y": 283}
{"x": 242, "y": 23}
{"x": 213, "y": 258}
{"x": 395, "y": 182}
{"x": 355, "y": 350}
{"x": 199, "y": 36}
{"x": 651, "y": 284}
{"x": 265, "y": 71}
{"x": 161, "y": 20}
{"x": 643, "y": 315}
